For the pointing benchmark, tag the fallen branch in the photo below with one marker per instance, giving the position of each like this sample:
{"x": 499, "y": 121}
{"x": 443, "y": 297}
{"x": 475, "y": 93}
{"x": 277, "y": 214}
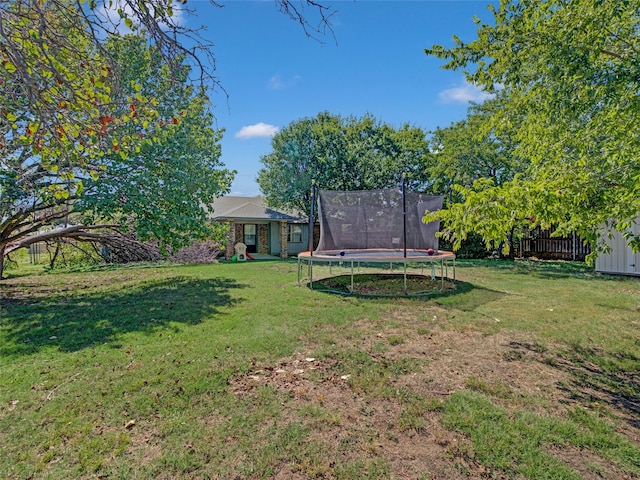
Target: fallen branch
{"x": 116, "y": 247}
{"x": 69, "y": 232}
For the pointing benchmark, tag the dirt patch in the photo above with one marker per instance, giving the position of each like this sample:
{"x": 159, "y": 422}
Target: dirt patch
{"x": 588, "y": 465}
{"x": 384, "y": 284}
{"x": 353, "y": 424}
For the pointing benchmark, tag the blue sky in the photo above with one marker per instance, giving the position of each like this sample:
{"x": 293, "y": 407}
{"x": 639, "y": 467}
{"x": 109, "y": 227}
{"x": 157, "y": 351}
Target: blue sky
{"x": 274, "y": 75}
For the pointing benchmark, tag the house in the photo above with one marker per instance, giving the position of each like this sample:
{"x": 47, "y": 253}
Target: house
{"x": 262, "y": 229}
{"x": 620, "y": 259}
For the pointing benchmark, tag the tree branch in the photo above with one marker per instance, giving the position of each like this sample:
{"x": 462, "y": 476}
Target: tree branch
{"x": 69, "y": 232}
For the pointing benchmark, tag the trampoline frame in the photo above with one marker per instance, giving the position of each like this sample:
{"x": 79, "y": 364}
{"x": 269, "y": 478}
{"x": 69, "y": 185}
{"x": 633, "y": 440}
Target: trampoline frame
{"x": 355, "y": 258}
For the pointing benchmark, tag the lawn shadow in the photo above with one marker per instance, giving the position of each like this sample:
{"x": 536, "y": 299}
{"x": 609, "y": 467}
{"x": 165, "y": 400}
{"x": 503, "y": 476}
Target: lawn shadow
{"x": 81, "y": 320}
{"x": 549, "y": 269}
{"x": 455, "y": 294}
{"x": 596, "y": 376}
{"x": 468, "y": 297}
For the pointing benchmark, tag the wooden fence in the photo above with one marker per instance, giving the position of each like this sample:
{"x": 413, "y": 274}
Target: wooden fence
{"x": 539, "y": 243}
{"x": 37, "y": 253}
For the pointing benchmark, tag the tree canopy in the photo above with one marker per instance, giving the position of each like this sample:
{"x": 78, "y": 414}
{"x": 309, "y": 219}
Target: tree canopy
{"x": 469, "y": 150}
{"x": 158, "y": 188}
{"x": 161, "y": 188}
{"x": 339, "y": 153}
{"x": 113, "y": 126}
{"x": 62, "y": 91}
{"x": 568, "y": 75}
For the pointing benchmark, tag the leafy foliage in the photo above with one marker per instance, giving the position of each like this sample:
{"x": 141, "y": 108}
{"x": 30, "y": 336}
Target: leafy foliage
{"x": 156, "y": 185}
{"x": 568, "y": 75}
{"x": 469, "y": 150}
{"x": 162, "y": 188}
{"x": 62, "y": 95}
{"x": 473, "y": 246}
{"x": 340, "y": 154}
{"x": 66, "y": 113}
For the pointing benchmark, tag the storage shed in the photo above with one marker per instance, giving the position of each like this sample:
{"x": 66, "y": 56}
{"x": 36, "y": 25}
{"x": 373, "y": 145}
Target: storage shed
{"x": 621, "y": 259}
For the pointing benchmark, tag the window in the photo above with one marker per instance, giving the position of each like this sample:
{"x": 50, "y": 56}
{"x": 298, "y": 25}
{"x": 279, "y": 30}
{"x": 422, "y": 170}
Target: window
{"x": 250, "y": 235}
{"x": 294, "y": 234}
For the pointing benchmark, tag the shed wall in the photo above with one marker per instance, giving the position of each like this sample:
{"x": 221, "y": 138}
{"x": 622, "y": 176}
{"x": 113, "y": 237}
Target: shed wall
{"x": 620, "y": 259}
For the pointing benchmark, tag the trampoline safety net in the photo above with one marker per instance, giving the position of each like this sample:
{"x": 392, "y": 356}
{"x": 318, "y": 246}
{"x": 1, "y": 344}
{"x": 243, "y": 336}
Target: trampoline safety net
{"x": 374, "y": 219}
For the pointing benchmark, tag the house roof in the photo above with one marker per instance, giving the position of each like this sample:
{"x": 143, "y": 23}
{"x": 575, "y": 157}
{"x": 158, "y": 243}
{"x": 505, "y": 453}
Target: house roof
{"x": 250, "y": 208}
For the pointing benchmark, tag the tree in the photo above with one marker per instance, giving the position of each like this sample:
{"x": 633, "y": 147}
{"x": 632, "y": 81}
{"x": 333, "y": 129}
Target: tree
{"x": 469, "y": 150}
{"x": 62, "y": 90}
{"x": 162, "y": 188}
{"x": 158, "y": 189}
{"x": 339, "y": 154}
{"x": 70, "y": 116}
{"x": 569, "y": 77}
{"x": 468, "y": 153}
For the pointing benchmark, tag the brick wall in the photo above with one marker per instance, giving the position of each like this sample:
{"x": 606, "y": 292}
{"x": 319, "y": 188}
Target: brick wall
{"x": 236, "y": 234}
{"x": 231, "y": 239}
{"x": 283, "y": 240}
{"x": 263, "y": 238}
{"x": 239, "y": 227}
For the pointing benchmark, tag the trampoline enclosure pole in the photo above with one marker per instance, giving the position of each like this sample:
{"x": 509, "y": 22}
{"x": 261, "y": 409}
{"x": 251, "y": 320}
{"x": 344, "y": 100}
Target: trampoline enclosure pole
{"x": 404, "y": 216}
{"x": 312, "y": 215}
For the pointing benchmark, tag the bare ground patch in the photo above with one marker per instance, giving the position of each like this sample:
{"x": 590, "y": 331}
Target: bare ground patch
{"x": 587, "y": 464}
{"x": 353, "y": 423}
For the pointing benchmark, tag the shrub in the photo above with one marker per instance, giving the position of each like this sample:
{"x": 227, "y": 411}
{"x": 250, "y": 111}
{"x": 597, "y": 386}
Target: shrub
{"x": 472, "y": 247}
{"x": 198, "y": 252}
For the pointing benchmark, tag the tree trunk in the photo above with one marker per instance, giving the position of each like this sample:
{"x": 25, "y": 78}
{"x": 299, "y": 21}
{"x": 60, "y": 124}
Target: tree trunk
{"x": 2, "y": 261}
{"x": 52, "y": 259}
{"x": 511, "y": 255}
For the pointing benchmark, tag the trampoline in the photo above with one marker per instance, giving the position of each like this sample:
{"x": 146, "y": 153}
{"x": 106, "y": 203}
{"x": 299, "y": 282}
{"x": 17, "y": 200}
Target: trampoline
{"x": 361, "y": 229}
{"x": 354, "y": 260}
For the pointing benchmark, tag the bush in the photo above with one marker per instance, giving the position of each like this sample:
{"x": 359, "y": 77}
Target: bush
{"x": 472, "y": 247}
{"x": 198, "y": 252}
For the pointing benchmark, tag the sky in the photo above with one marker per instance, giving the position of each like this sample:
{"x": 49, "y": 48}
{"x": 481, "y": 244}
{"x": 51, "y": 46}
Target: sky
{"x": 373, "y": 63}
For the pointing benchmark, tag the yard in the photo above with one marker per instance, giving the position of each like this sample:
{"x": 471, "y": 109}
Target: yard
{"x": 527, "y": 370}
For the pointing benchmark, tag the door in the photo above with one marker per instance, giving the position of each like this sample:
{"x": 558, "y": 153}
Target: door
{"x": 250, "y": 237}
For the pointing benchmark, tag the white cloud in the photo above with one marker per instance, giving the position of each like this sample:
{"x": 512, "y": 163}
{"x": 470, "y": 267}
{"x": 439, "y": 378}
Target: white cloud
{"x": 259, "y": 130}
{"x": 464, "y": 94}
{"x": 278, "y": 83}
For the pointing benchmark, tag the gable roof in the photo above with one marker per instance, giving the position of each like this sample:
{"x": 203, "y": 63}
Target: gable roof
{"x": 250, "y": 208}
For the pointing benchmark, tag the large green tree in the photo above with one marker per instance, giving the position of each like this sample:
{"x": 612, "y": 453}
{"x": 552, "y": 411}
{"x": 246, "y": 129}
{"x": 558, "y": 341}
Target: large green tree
{"x": 569, "y": 77}
{"x": 339, "y": 153}
{"x": 76, "y": 119}
{"x": 161, "y": 188}
{"x": 468, "y": 153}
{"x": 62, "y": 91}
{"x": 469, "y": 149}
{"x": 158, "y": 188}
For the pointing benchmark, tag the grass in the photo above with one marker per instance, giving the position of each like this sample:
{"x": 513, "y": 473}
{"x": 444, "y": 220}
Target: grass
{"x": 235, "y": 371}
{"x": 514, "y": 441}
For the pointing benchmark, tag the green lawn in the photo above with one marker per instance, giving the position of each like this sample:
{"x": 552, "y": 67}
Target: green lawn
{"x": 524, "y": 370}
